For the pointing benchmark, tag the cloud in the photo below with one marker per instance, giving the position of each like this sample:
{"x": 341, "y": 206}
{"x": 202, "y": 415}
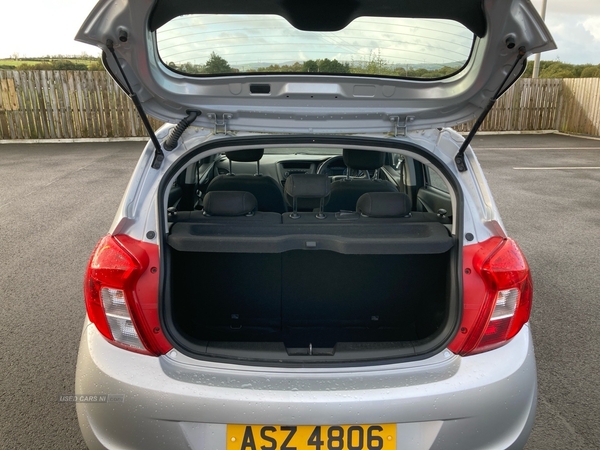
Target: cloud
{"x": 592, "y": 26}
{"x": 575, "y": 26}
{"x": 570, "y": 7}
{"x": 577, "y": 38}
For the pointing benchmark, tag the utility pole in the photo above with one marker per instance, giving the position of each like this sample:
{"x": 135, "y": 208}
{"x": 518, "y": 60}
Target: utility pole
{"x": 536, "y": 60}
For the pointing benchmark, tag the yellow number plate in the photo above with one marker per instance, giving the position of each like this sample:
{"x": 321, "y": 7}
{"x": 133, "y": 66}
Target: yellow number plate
{"x": 308, "y": 437}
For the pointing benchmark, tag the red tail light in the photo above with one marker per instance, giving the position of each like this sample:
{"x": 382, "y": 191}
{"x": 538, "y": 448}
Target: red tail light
{"x": 497, "y": 294}
{"x": 121, "y": 294}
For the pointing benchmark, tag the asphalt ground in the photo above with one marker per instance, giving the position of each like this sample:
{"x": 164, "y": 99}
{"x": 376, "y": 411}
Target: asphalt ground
{"x": 554, "y": 214}
{"x": 57, "y": 200}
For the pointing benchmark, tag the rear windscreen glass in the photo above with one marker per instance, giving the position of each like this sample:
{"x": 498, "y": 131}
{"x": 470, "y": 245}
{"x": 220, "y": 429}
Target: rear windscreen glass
{"x": 240, "y": 44}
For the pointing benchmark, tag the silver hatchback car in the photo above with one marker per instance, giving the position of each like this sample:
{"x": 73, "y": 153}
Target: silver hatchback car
{"x": 307, "y": 257}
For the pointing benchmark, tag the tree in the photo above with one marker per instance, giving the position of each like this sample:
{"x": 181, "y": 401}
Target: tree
{"x": 376, "y": 65}
{"x": 65, "y": 64}
{"x": 591, "y": 72}
{"x": 38, "y": 66}
{"x": 216, "y": 64}
{"x": 62, "y": 64}
{"x": 558, "y": 69}
{"x": 96, "y": 65}
{"x": 271, "y": 68}
{"x": 441, "y": 72}
{"x": 296, "y": 67}
{"x": 310, "y": 66}
{"x": 332, "y": 66}
{"x": 188, "y": 67}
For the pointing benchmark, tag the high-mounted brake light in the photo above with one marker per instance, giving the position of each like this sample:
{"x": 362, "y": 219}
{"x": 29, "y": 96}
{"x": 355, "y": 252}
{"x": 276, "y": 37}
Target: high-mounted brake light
{"x": 121, "y": 294}
{"x": 497, "y": 294}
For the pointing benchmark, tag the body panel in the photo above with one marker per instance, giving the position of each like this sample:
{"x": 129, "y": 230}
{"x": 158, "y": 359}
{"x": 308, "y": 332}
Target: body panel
{"x": 434, "y": 398}
{"x": 448, "y": 402}
{"x": 316, "y": 103}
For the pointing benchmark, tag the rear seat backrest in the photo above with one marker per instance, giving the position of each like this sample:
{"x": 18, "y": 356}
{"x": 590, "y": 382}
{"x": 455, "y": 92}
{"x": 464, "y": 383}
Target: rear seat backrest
{"x": 393, "y": 205}
{"x": 267, "y": 191}
{"x": 228, "y": 207}
{"x": 346, "y": 192}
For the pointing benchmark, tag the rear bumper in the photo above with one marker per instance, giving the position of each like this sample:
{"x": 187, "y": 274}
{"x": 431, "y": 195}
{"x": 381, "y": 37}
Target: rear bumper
{"x": 449, "y": 402}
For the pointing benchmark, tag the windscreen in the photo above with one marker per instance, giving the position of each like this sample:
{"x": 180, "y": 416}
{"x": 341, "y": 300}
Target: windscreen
{"x": 223, "y": 44}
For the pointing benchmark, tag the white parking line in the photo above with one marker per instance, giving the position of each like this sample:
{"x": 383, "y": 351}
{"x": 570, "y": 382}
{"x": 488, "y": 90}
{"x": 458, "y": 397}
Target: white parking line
{"x": 556, "y": 168}
{"x": 478, "y": 149}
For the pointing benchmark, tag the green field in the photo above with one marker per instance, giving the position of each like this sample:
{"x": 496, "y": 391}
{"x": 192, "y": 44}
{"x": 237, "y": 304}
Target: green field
{"x": 11, "y": 63}
{"x": 548, "y": 69}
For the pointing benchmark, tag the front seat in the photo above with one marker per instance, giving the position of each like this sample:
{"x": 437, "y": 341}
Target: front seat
{"x": 346, "y": 192}
{"x": 268, "y": 193}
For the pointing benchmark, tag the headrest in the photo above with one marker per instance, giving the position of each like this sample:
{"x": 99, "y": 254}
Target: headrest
{"x": 384, "y": 204}
{"x": 229, "y": 203}
{"x": 246, "y": 155}
{"x": 363, "y": 159}
{"x": 307, "y": 186}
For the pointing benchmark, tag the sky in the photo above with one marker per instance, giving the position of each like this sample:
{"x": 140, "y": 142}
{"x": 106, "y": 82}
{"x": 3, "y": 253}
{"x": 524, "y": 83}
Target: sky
{"x": 43, "y": 27}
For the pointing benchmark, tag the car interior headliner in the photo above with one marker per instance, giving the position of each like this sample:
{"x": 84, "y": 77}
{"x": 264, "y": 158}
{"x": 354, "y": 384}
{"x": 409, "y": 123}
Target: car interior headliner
{"x": 329, "y": 15}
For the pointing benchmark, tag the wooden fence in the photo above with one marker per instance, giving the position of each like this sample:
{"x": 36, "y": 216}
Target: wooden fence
{"x": 579, "y": 111}
{"x": 529, "y": 105}
{"x": 86, "y": 104}
{"x": 40, "y": 104}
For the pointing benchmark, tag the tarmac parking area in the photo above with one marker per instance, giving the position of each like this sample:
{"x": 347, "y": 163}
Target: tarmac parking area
{"x": 57, "y": 200}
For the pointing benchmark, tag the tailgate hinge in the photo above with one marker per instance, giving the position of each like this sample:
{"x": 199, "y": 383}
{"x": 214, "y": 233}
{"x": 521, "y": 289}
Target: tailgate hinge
{"x": 400, "y": 127}
{"x": 220, "y": 126}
